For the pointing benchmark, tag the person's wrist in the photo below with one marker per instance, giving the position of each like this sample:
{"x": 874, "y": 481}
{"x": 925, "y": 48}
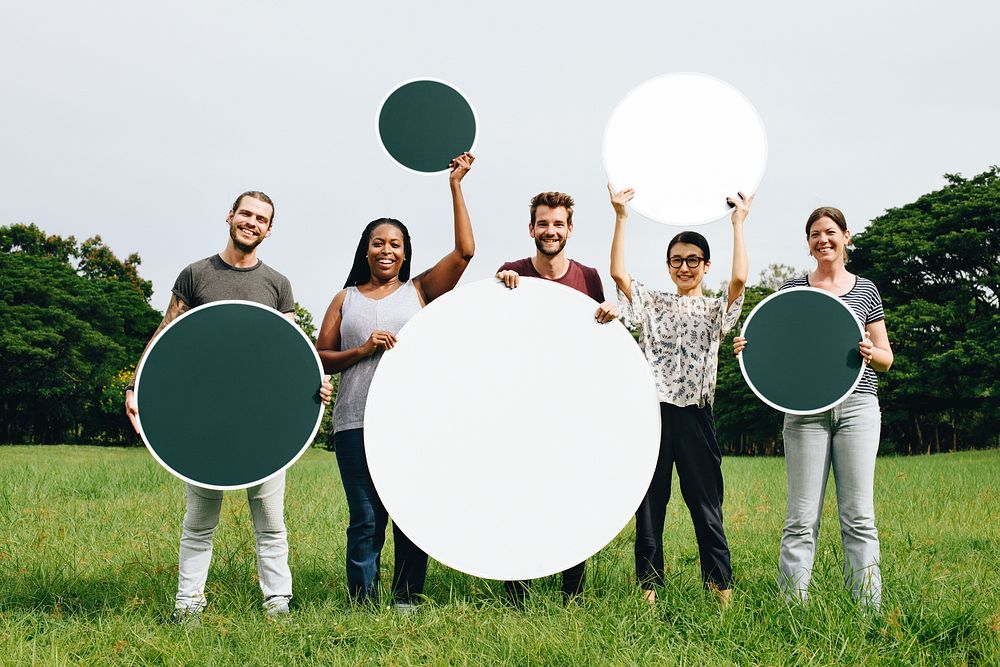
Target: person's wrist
{"x": 130, "y": 387}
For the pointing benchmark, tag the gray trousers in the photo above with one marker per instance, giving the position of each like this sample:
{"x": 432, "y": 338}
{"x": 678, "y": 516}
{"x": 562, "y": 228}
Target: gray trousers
{"x": 845, "y": 438}
{"x": 267, "y": 508}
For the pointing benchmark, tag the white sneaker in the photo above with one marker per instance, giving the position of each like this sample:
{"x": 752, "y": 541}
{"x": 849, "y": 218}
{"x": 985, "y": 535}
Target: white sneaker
{"x": 276, "y": 605}
{"x": 406, "y": 608}
{"x": 188, "y": 617}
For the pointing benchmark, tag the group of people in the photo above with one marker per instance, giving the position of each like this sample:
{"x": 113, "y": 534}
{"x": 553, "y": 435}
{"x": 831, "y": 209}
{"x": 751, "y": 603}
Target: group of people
{"x": 679, "y": 332}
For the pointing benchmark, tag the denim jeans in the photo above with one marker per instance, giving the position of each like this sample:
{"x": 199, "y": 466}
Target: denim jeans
{"x": 845, "y": 438}
{"x": 267, "y": 508}
{"x": 366, "y": 529}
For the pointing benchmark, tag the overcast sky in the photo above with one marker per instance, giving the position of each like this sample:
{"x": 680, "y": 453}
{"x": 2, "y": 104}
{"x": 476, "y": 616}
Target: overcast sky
{"x": 141, "y": 121}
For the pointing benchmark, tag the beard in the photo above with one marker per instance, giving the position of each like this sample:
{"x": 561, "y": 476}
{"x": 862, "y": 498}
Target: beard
{"x": 549, "y": 253}
{"x": 240, "y": 245}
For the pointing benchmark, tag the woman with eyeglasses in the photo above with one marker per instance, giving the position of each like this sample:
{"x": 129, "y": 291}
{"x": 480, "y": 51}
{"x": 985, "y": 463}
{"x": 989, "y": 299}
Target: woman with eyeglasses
{"x": 845, "y": 437}
{"x": 679, "y": 334}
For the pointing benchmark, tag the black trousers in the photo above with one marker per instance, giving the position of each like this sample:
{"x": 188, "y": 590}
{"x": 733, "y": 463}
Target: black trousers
{"x": 687, "y": 438}
{"x": 572, "y": 584}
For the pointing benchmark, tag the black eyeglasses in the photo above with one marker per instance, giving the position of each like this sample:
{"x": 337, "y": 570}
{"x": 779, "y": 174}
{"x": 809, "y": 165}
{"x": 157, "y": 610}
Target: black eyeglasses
{"x": 692, "y": 261}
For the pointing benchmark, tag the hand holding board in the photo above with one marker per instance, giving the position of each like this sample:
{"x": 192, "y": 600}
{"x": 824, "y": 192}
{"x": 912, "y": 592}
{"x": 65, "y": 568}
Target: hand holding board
{"x": 228, "y": 395}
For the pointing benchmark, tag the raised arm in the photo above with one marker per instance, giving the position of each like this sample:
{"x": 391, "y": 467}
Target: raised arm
{"x": 620, "y": 200}
{"x": 741, "y": 264}
{"x": 175, "y": 309}
{"x": 444, "y": 275}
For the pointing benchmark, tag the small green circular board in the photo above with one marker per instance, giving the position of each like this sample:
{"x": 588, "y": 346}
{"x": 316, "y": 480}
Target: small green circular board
{"x": 802, "y": 350}
{"x": 228, "y": 395}
{"x": 424, "y": 123}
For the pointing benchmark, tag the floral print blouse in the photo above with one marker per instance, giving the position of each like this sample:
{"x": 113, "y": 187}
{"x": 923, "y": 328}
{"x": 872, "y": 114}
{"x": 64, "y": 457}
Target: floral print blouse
{"x": 680, "y": 337}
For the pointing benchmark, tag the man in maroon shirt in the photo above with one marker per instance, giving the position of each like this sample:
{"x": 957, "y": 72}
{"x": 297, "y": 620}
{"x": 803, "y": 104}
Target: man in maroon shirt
{"x": 551, "y": 226}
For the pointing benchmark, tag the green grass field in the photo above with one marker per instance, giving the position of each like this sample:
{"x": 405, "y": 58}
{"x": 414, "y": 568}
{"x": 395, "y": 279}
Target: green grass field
{"x": 88, "y": 565}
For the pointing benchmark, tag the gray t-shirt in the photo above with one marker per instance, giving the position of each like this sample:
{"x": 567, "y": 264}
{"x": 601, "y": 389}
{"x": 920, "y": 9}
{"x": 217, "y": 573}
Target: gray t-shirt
{"x": 211, "y": 279}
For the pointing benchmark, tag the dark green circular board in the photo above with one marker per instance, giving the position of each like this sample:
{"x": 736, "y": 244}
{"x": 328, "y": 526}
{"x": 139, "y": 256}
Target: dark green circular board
{"x": 228, "y": 395}
{"x": 423, "y": 124}
{"x": 802, "y": 350}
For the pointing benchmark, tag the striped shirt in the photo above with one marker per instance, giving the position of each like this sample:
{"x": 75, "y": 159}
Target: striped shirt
{"x": 866, "y": 303}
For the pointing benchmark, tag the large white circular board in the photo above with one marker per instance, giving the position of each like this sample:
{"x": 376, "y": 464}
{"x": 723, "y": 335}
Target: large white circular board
{"x": 509, "y": 434}
{"x": 685, "y": 142}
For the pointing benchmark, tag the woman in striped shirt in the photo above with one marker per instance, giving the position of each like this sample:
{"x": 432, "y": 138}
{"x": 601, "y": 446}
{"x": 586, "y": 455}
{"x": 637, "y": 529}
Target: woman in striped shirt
{"x": 845, "y": 437}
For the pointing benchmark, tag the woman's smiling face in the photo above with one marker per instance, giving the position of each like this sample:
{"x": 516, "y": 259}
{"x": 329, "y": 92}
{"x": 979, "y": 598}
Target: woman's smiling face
{"x": 386, "y": 251}
{"x": 686, "y": 277}
{"x": 827, "y": 241}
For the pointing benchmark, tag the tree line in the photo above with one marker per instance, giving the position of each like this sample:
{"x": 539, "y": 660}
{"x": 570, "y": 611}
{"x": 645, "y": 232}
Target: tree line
{"x": 936, "y": 262}
{"x": 75, "y": 319}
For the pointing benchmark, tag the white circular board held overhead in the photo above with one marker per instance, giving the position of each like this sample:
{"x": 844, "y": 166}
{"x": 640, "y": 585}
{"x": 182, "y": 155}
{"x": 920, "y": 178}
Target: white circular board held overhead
{"x": 508, "y": 433}
{"x": 685, "y": 142}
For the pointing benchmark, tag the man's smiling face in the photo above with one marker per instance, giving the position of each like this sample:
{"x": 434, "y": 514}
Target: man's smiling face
{"x": 250, "y": 223}
{"x": 551, "y": 229}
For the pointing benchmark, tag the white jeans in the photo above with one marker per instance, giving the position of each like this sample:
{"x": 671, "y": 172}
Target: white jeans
{"x": 267, "y": 508}
{"x": 845, "y": 437}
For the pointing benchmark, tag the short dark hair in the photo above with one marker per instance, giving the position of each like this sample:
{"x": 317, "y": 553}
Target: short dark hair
{"x": 255, "y": 194}
{"x": 360, "y": 271}
{"x": 694, "y": 238}
{"x": 552, "y": 200}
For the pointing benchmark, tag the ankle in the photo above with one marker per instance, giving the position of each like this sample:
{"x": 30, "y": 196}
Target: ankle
{"x": 724, "y": 596}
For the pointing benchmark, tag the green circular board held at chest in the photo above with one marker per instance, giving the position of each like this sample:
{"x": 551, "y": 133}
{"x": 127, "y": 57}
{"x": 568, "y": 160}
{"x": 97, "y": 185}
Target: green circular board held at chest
{"x": 228, "y": 395}
{"x": 425, "y": 123}
{"x": 802, "y": 350}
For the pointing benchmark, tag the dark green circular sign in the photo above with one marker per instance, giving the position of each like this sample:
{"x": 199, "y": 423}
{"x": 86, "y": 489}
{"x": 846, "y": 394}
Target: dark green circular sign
{"x": 228, "y": 395}
{"x": 423, "y": 124}
{"x": 802, "y": 350}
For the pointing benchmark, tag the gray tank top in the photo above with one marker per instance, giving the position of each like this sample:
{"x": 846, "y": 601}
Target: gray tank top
{"x": 360, "y": 316}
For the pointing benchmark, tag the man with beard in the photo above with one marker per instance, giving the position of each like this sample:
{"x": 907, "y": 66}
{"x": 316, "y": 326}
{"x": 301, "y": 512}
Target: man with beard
{"x": 234, "y": 273}
{"x": 551, "y": 225}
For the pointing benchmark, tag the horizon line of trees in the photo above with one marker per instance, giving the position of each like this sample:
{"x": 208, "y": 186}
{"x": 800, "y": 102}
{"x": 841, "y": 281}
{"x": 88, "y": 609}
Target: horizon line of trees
{"x": 75, "y": 320}
{"x": 936, "y": 263}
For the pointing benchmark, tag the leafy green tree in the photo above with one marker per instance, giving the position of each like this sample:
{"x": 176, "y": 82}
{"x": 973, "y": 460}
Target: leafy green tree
{"x": 305, "y": 321}
{"x": 97, "y": 261}
{"x": 324, "y": 436}
{"x": 31, "y": 240}
{"x": 936, "y": 263}
{"x": 68, "y": 334}
{"x": 744, "y": 424}
{"x": 775, "y": 275}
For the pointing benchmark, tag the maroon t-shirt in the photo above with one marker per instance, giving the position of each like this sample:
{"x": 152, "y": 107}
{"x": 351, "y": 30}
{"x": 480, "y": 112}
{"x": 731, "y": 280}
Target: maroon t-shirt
{"x": 581, "y": 278}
